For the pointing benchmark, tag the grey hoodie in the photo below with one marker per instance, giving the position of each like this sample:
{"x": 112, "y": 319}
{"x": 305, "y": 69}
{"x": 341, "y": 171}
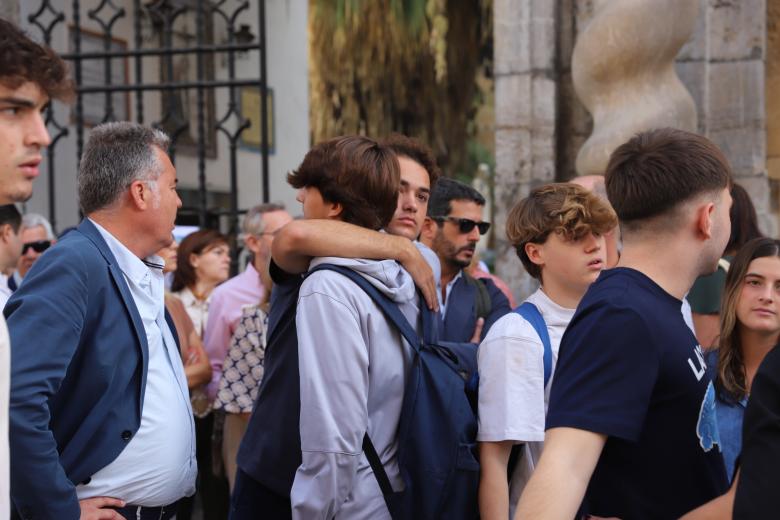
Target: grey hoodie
{"x": 353, "y": 367}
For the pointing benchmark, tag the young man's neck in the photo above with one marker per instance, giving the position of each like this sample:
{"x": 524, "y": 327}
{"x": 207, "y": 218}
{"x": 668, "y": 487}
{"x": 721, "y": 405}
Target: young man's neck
{"x": 668, "y": 262}
{"x": 561, "y": 294}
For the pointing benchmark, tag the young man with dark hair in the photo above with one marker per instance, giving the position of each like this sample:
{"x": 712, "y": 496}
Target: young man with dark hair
{"x": 341, "y": 332}
{"x": 302, "y": 240}
{"x": 452, "y": 229}
{"x": 631, "y": 425}
{"x": 30, "y": 76}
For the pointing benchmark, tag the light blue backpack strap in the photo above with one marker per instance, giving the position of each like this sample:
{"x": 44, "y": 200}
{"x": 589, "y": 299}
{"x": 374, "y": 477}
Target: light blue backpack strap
{"x": 534, "y": 317}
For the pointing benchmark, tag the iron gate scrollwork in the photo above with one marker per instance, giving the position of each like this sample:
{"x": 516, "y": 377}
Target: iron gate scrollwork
{"x": 154, "y": 20}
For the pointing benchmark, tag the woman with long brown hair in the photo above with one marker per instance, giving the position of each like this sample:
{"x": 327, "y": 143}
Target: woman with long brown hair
{"x": 750, "y": 328}
{"x": 203, "y": 262}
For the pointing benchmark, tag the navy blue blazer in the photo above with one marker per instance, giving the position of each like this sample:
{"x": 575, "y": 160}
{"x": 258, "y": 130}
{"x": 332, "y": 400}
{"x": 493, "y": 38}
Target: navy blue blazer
{"x": 461, "y": 318}
{"x": 78, "y": 367}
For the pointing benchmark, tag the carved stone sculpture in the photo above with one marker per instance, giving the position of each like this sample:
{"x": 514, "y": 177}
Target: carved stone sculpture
{"x": 623, "y": 72}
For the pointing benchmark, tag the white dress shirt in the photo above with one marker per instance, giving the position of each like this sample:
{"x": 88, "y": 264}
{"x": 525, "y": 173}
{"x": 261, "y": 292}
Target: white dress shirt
{"x": 157, "y": 467}
{"x": 443, "y": 303}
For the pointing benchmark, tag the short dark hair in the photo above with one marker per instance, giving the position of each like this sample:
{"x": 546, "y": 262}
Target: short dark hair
{"x": 194, "y": 243}
{"x": 744, "y": 222}
{"x": 23, "y": 60}
{"x": 446, "y": 191}
{"x": 564, "y": 208}
{"x": 9, "y": 214}
{"x": 415, "y": 150}
{"x": 356, "y": 172}
{"x": 657, "y": 170}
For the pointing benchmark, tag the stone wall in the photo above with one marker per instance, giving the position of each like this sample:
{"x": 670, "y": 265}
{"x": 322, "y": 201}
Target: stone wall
{"x": 723, "y": 66}
{"x": 773, "y": 102}
{"x": 525, "y": 87}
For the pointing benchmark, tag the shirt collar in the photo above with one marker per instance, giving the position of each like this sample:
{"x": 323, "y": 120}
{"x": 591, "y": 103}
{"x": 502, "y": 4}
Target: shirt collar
{"x": 455, "y": 279}
{"x": 132, "y": 266}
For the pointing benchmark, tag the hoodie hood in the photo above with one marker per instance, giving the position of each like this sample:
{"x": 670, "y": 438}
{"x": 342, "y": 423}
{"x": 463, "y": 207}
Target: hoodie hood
{"x": 386, "y": 275}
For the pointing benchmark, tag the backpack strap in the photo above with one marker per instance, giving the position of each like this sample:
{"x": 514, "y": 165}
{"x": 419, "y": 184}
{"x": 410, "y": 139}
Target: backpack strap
{"x": 532, "y": 315}
{"x": 483, "y": 305}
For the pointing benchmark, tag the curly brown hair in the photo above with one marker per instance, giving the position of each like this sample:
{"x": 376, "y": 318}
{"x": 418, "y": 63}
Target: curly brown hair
{"x": 22, "y": 60}
{"x": 564, "y": 208}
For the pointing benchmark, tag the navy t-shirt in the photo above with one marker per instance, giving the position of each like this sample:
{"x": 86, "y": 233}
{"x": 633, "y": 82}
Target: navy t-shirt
{"x": 631, "y": 369}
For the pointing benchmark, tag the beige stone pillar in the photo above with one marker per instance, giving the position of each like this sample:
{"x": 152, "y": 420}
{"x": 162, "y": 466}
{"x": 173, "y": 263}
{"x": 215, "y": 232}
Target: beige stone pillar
{"x": 623, "y": 69}
{"x": 525, "y": 105}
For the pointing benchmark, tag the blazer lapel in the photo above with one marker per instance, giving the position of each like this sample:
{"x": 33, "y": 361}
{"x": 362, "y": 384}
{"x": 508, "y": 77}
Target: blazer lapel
{"x": 90, "y": 231}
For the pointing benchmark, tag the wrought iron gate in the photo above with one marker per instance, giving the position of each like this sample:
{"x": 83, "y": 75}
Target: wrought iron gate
{"x": 155, "y": 19}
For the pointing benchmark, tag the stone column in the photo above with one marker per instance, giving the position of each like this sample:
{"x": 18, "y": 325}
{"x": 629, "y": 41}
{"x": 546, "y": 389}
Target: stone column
{"x": 724, "y": 67}
{"x": 525, "y": 105}
{"x": 623, "y": 72}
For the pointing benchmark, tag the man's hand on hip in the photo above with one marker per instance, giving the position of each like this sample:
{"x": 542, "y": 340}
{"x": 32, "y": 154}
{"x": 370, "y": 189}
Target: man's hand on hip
{"x": 95, "y": 508}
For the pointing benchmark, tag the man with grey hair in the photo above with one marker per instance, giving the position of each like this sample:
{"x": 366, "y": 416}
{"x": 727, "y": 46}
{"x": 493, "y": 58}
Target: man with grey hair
{"x": 258, "y": 228}
{"x": 37, "y": 236}
{"x": 100, "y": 418}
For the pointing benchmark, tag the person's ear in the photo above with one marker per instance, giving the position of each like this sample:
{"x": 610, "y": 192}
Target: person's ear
{"x": 5, "y": 233}
{"x": 140, "y": 195}
{"x": 428, "y": 230}
{"x": 704, "y": 218}
{"x": 335, "y": 210}
{"x": 194, "y": 260}
{"x": 535, "y": 253}
{"x": 252, "y": 243}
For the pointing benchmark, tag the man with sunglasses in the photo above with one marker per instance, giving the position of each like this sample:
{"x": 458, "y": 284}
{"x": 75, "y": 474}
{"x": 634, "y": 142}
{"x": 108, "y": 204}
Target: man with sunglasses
{"x": 452, "y": 229}
{"x": 37, "y": 236}
{"x": 10, "y": 246}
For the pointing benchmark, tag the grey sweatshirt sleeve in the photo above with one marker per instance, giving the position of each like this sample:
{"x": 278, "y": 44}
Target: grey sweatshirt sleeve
{"x": 333, "y": 365}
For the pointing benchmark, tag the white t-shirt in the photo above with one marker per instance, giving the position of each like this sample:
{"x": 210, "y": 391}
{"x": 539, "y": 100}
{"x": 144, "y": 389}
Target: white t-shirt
{"x": 512, "y": 397}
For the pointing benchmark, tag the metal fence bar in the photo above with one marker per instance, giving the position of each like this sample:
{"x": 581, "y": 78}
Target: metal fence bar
{"x": 263, "y": 101}
{"x": 168, "y": 86}
{"x": 162, "y": 51}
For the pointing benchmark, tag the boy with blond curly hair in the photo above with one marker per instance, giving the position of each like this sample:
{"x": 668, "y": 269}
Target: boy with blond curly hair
{"x": 557, "y": 232}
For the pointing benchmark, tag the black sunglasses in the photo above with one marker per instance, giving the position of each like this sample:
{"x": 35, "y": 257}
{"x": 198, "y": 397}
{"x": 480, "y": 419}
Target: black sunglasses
{"x": 465, "y": 225}
{"x": 39, "y": 246}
